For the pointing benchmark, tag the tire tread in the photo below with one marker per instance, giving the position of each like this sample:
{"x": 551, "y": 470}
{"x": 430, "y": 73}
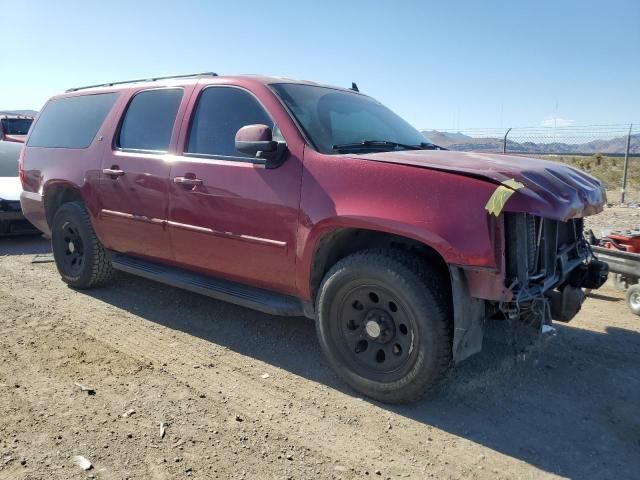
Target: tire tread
{"x": 102, "y": 270}
{"x": 401, "y": 266}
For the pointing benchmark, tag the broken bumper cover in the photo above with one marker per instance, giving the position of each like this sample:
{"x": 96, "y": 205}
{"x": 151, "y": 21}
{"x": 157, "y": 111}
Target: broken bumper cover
{"x": 543, "y": 265}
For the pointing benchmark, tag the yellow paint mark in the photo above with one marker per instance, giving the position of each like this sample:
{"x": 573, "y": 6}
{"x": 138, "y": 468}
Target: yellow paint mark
{"x": 499, "y": 198}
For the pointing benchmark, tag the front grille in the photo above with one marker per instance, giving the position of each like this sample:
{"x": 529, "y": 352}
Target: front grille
{"x": 539, "y": 251}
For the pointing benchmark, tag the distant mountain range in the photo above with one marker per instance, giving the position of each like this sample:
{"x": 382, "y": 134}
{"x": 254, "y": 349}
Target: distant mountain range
{"x": 461, "y": 142}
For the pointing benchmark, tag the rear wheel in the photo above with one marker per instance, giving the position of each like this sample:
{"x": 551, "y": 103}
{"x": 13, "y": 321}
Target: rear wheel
{"x": 80, "y": 258}
{"x": 383, "y": 323}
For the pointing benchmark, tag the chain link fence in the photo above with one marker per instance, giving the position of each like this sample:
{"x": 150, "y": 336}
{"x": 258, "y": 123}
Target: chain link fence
{"x": 609, "y": 152}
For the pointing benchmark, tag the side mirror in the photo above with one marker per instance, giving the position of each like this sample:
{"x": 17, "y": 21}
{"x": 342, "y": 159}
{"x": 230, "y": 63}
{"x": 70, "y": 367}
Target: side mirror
{"x": 257, "y": 141}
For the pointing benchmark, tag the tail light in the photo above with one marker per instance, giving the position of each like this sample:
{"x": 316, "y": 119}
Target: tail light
{"x": 21, "y": 167}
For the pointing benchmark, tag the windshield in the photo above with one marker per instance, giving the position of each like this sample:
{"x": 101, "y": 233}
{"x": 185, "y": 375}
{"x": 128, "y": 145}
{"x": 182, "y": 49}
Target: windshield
{"x": 332, "y": 118}
{"x": 16, "y": 126}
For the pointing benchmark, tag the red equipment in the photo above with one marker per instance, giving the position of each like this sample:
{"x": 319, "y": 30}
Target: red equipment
{"x": 627, "y": 241}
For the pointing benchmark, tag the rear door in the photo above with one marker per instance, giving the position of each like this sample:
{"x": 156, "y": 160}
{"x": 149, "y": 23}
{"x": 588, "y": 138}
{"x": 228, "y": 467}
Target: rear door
{"x": 134, "y": 186}
{"x": 237, "y": 219}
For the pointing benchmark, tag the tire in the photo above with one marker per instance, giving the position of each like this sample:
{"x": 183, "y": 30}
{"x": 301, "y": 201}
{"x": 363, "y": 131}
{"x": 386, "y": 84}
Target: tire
{"x": 385, "y": 301}
{"x": 633, "y": 299}
{"x": 80, "y": 257}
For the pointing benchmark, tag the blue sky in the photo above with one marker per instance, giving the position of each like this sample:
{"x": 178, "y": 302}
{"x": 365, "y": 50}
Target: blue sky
{"x": 439, "y": 64}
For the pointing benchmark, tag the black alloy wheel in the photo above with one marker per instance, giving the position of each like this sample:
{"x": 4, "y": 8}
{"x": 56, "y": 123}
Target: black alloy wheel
{"x": 73, "y": 247}
{"x": 375, "y": 330}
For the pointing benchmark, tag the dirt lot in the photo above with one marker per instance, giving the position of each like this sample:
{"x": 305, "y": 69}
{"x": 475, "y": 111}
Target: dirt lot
{"x": 614, "y": 218}
{"x": 569, "y": 408}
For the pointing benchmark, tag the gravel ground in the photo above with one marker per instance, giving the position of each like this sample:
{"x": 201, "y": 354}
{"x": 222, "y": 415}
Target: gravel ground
{"x": 614, "y": 218}
{"x": 247, "y": 396}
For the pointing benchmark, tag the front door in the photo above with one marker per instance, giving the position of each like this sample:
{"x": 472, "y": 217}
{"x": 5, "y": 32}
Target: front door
{"x": 134, "y": 183}
{"x": 230, "y": 216}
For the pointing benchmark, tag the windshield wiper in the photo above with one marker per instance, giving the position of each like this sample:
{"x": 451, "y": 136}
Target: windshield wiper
{"x": 431, "y": 146}
{"x": 375, "y": 143}
{"x": 385, "y": 143}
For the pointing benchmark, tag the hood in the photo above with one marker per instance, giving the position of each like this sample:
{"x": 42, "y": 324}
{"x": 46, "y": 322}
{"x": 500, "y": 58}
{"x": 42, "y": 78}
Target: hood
{"x": 10, "y": 188}
{"x": 551, "y": 189}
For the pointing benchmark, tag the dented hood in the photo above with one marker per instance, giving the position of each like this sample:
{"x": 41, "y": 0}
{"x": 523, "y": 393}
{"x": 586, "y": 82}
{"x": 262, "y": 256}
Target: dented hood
{"x": 551, "y": 189}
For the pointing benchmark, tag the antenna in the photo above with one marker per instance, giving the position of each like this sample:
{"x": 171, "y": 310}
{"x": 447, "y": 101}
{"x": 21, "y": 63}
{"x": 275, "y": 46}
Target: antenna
{"x": 354, "y": 87}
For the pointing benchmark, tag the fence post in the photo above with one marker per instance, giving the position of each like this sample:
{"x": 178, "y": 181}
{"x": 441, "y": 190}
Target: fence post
{"x": 626, "y": 165}
{"x": 504, "y": 145}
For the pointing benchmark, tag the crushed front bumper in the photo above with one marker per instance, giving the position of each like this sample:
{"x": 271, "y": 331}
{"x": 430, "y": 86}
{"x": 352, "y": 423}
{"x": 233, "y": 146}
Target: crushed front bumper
{"x": 543, "y": 265}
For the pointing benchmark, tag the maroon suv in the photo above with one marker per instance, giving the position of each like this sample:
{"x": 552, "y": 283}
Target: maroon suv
{"x": 295, "y": 198}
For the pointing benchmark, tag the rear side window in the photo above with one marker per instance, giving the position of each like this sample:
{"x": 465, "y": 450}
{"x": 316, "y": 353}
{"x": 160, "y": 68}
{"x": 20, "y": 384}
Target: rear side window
{"x": 148, "y": 121}
{"x": 71, "y": 122}
{"x": 219, "y": 114}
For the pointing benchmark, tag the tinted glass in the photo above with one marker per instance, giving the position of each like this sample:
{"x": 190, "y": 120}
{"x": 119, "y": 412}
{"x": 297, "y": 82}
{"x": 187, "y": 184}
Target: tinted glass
{"x": 335, "y": 117}
{"x": 148, "y": 121}
{"x": 16, "y": 126}
{"x": 220, "y": 113}
{"x": 71, "y": 122}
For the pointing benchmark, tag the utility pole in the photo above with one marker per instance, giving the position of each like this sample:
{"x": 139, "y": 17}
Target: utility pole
{"x": 626, "y": 165}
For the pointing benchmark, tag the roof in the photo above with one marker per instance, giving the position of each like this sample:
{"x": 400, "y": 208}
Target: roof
{"x": 170, "y": 80}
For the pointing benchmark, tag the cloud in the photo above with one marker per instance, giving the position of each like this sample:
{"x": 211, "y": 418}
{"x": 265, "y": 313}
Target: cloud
{"x": 556, "y": 122}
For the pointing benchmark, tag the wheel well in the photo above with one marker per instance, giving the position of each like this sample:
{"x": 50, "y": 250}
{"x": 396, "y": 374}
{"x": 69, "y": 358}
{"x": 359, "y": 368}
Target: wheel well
{"x": 339, "y": 243}
{"x": 55, "y": 197}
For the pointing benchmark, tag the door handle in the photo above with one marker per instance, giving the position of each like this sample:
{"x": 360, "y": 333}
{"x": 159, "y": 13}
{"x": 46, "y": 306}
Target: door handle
{"x": 113, "y": 172}
{"x": 189, "y": 182}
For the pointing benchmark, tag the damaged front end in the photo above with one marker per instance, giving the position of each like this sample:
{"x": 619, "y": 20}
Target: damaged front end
{"x": 543, "y": 260}
{"x": 548, "y": 263}
{"x": 543, "y": 266}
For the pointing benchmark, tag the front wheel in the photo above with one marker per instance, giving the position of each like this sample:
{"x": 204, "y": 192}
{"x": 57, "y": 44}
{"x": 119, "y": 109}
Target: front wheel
{"x": 384, "y": 324}
{"x": 81, "y": 260}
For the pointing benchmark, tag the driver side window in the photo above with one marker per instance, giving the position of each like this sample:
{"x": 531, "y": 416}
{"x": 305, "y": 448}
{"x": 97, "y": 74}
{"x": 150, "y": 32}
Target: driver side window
{"x": 219, "y": 114}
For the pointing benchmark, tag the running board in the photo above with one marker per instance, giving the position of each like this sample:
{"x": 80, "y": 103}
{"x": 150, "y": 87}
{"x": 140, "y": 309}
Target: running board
{"x": 232, "y": 292}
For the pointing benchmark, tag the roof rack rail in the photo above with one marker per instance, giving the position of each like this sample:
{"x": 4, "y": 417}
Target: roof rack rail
{"x": 153, "y": 79}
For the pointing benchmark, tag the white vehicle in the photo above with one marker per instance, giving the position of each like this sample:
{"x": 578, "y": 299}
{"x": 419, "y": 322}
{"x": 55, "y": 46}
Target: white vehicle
{"x": 12, "y": 221}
